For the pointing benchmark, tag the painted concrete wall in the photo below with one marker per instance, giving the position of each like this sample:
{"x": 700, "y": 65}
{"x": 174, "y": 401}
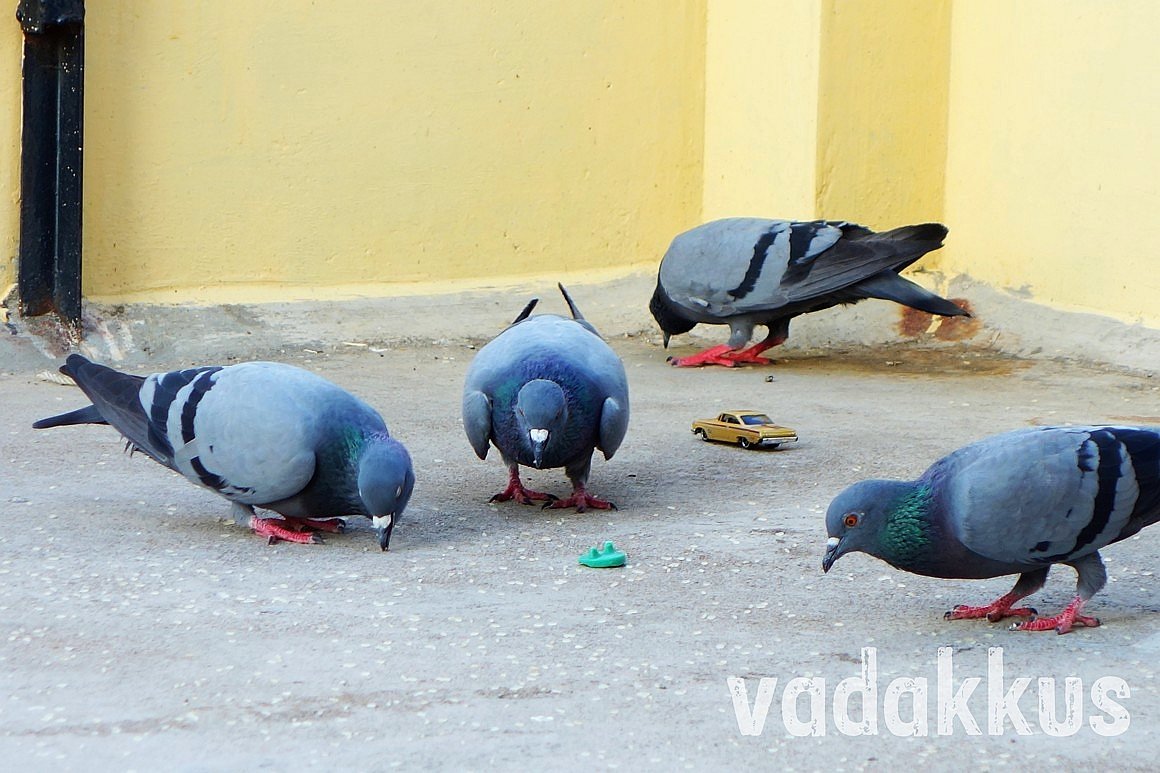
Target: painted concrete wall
{"x": 11, "y": 46}
{"x": 1027, "y": 127}
{"x": 352, "y": 148}
{"x": 882, "y": 110}
{"x": 826, "y": 108}
{"x": 1053, "y": 170}
{"x": 302, "y": 149}
{"x": 761, "y": 108}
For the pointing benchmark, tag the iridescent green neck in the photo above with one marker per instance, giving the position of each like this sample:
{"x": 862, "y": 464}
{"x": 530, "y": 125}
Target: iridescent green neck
{"x": 345, "y": 449}
{"x": 354, "y": 439}
{"x": 907, "y": 533}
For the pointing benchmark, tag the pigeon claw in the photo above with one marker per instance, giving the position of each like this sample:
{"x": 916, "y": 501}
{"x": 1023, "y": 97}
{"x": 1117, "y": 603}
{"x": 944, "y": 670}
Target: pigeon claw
{"x": 1054, "y": 624}
{"x": 712, "y": 356}
{"x": 993, "y": 612}
{"x": 275, "y": 531}
{"x": 994, "y": 616}
{"x": 516, "y": 491}
{"x": 581, "y": 500}
{"x": 725, "y": 356}
{"x": 752, "y": 355}
{"x": 1061, "y": 623}
{"x": 749, "y": 359}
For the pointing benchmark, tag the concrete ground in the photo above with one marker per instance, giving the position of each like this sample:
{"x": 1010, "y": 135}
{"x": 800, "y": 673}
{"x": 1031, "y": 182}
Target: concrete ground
{"x": 141, "y": 631}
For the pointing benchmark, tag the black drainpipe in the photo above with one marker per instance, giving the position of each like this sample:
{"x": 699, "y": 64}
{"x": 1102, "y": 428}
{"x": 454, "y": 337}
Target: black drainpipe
{"x": 49, "y": 263}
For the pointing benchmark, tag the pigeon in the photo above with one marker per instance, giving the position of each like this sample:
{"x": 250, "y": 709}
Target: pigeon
{"x": 546, "y": 392}
{"x": 261, "y": 434}
{"x": 748, "y": 271}
{"x": 1012, "y": 503}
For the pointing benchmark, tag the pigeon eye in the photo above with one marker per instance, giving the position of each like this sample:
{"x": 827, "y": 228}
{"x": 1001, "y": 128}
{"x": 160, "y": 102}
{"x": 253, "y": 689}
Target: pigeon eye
{"x": 851, "y": 520}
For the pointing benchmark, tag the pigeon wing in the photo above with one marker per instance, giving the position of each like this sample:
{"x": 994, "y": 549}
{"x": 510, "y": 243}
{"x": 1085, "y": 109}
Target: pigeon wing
{"x": 709, "y": 269}
{"x": 613, "y": 425}
{"x": 856, "y": 256}
{"x": 1050, "y": 494}
{"x": 746, "y": 265}
{"x": 252, "y": 431}
{"x": 477, "y": 421}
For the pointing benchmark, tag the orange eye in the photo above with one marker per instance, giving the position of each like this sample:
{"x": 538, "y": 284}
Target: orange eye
{"x": 851, "y": 520}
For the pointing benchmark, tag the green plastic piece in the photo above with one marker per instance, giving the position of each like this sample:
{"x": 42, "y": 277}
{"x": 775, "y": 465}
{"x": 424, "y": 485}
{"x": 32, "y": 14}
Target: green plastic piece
{"x": 601, "y": 559}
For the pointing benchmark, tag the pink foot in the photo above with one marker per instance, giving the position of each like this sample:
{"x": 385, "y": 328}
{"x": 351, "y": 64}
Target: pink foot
{"x": 273, "y": 528}
{"x": 331, "y": 525}
{"x": 1061, "y": 623}
{"x": 712, "y": 356}
{"x": 752, "y": 355}
{"x": 994, "y": 612}
{"x": 581, "y": 500}
{"x": 515, "y": 490}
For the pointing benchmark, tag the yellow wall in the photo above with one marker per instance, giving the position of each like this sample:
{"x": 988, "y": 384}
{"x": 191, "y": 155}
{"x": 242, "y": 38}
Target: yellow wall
{"x": 302, "y": 149}
{"x": 1029, "y": 128}
{"x": 1053, "y": 154}
{"x": 882, "y": 113}
{"x": 761, "y": 108}
{"x": 11, "y": 48}
{"x": 830, "y": 108}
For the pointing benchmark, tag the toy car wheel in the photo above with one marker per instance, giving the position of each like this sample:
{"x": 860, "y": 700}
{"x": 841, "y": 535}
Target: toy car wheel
{"x": 701, "y": 434}
{"x": 743, "y": 442}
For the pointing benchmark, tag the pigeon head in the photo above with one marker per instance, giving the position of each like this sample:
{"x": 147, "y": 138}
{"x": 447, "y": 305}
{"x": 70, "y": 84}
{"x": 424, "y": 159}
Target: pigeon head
{"x": 385, "y": 482}
{"x": 887, "y": 519}
{"x": 542, "y": 413}
{"x": 665, "y": 312}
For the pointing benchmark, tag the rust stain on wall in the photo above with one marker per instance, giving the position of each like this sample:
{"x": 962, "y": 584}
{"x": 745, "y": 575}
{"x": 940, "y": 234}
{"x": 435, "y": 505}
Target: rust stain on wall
{"x": 913, "y": 323}
{"x": 959, "y": 328}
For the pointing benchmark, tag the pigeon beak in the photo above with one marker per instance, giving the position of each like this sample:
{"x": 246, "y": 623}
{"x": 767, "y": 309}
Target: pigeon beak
{"x": 383, "y": 525}
{"x": 666, "y": 338}
{"x": 832, "y": 554}
{"x": 539, "y": 438}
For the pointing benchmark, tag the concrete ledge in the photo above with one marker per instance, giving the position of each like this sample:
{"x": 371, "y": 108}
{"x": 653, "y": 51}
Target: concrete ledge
{"x": 1023, "y": 328}
{"x": 135, "y": 336}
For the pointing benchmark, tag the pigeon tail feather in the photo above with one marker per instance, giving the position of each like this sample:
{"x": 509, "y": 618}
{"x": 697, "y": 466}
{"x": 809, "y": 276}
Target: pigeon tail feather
{"x": 526, "y": 312}
{"x": 889, "y": 286}
{"x": 116, "y": 396}
{"x": 87, "y": 415}
{"x": 571, "y": 305}
{"x": 922, "y": 232}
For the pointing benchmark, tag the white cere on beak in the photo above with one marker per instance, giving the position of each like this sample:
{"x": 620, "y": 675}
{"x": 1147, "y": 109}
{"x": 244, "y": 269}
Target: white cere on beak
{"x": 832, "y": 543}
{"x": 538, "y": 435}
{"x": 381, "y": 521}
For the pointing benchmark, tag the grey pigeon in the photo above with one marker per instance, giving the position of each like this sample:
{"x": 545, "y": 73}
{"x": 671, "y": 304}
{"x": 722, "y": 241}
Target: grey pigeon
{"x": 261, "y": 434}
{"x": 546, "y": 392}
{"x": 1013, "y": 503}
{"x": 747, "y": 271}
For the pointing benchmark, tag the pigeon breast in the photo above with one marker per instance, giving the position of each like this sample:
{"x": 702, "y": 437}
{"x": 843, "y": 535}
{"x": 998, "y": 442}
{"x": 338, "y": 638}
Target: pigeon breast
{"x": 556, "y": 349}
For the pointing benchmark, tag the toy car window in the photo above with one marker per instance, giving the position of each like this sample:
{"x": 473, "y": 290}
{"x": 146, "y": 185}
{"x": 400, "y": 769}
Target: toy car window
{"x": 757, "y": 418}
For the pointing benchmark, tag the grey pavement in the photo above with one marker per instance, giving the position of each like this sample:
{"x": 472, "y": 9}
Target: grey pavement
{"x": 140, "y": 629}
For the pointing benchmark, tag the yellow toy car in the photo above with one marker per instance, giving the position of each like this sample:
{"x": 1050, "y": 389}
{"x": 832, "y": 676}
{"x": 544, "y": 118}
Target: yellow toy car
{"x": 745, "y": 428}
